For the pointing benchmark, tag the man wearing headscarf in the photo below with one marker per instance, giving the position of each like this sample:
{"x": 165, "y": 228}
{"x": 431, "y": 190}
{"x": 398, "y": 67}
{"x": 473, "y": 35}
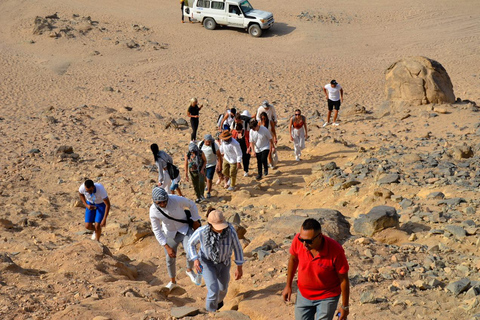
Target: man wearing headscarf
{"x": 170, "y": 226}
{"x": 218, "y": 239}
{"x": 195, "y": 163}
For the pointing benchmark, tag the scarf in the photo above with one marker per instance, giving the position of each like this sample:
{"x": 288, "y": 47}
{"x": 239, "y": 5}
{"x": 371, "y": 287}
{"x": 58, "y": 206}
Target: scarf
{"x": 212, "y": 242}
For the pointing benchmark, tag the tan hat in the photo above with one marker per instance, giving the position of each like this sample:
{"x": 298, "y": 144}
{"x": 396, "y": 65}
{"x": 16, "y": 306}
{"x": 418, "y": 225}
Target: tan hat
{"x": 226, "y": 135}
{"x": 217, "y": 220}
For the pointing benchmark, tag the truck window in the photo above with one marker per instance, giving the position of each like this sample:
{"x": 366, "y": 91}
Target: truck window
{"x": 233, "y": 9}
{"x": 246, "y": 6}
{"x": 203, "y": 3}
{"x": 218, "y": 5}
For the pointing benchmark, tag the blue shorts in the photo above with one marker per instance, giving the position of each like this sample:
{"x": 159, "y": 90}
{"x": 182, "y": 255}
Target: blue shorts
{"x": 210, "y": 172}
{"x": 96, "y": 215}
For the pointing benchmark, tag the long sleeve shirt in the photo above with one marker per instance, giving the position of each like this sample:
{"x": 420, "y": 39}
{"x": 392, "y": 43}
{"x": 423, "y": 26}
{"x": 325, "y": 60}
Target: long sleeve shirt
{"x": 161, "y": 163}
{"x": 226, "y": 246}
{"x": 231, "y": 152}
{"x": 164, "y": 227}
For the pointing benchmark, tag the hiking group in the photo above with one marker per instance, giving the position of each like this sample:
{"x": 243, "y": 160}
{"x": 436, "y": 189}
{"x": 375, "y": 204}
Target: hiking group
{"x": 321, "y": 262}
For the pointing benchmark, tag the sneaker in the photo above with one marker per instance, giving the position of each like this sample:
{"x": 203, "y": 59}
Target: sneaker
{"x": 335, "y": 124}
{"x": 297, "y": 158}
{"x": 183, "y": 21}
{"x": 197, "y": 200}
{"x": 170, "y": 286}
{"x": 229, "y": 181}
{"x": 94, "y": 236}
{"x": 270, "y": 166}
{"x": 326, "y": 124}
{"x": 202, "y": 198}
{"x": 231, "y": 189}
{"x": 192, "y": 275}
{"x": 258, "y": 177}
{"x": 265, "y": 173}
{"x": 245, "y": 174}
{"x": 209, "y": 195}
{"x": 220, "y": 305}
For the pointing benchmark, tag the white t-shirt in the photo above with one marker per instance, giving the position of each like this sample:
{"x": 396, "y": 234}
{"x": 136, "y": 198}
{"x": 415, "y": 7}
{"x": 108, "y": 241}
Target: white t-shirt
{"x": 260, "y": 139}
{"x": 271, "y": 113}
{"x": 209, "y": 155}
{"x": 333, "y": 93}
{"x": 98, "y": 194}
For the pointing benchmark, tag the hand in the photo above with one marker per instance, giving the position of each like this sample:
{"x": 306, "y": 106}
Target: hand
{"x": 238, "y": 273}
{"x": 291, "y": 138}
{"x": 160, "y": 183}
{"x": 197, "y": 265}
{"x": 287, "y": 293}
{"x": 275, "y": 141}
{"x": 306, "y": 137}
{"x": 91, "y": 207}
{"x": 170, "y": 252}
{"x": 104, "y": 222}
{"x": 186, "y": 178}
{"x": 239, "y": 165}
{"x": 202, "y": 172}
{"x": 343, "y": 313}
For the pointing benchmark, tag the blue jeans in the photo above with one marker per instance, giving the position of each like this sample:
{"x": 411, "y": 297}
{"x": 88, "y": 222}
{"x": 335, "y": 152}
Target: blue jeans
{"x": 217, "y": 277}
{"x": 306, "y": 309}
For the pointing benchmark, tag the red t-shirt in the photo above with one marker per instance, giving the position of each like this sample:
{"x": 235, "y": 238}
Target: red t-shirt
{"x": 318, "y": 276}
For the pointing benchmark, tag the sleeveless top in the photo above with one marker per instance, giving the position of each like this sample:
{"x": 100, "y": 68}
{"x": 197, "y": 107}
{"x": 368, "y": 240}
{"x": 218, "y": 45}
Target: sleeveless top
{"x": 298, "y": 125}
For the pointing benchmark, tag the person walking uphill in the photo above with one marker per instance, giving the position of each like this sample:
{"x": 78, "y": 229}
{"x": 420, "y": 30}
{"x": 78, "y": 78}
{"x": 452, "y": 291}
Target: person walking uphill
{"x": 214, "y": 159}
{"x": 195, "y": 163}
{"x": 193, "y": 113}
{"x": 164, "y": 180}
{"x": 217, "y": 241}
{"x": 334, "y": 94}
{"x": 322, "y": 274}
{"x": 170, "y": 224}
{"x": 261, "y": 144}
{"x": 97, "y": 206}
{"x": 298, "y": 133}
{"x": 232, "y": 158}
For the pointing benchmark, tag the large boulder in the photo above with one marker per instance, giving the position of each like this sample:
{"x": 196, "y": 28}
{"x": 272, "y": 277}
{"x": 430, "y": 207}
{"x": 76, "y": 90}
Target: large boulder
{"x": 418, "y": 81}
{"x": 379, "y": 218}
{"x": 334, "y": 224}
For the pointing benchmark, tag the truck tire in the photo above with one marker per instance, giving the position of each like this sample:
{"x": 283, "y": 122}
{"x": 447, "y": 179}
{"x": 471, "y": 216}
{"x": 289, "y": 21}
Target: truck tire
{"x": 209, "y": 23}
{"x": 255, "y": 30}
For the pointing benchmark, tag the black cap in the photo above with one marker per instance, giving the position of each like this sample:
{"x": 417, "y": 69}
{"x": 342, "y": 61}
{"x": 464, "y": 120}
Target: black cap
{"x": 333, "y": 82}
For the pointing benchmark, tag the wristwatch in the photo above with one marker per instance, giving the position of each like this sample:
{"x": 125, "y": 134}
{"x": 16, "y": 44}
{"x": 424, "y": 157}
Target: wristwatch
{"x": 344, "y": 307}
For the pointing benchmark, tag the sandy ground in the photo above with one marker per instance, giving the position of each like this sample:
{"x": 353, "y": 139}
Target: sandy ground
{"x": 110, "y": 102}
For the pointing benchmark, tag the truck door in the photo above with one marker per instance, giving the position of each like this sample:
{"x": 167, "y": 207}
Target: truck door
{"x": 235, "y": 16}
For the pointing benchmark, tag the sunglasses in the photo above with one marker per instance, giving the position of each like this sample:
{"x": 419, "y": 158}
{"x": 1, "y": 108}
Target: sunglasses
{"x": 308, "y": 241}
{"x": 297, "y": 114}
{"x": 160, "y": 202}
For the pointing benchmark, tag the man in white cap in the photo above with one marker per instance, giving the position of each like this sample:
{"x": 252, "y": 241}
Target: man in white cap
{"x": 334, "y": 94}
{"x": 272, "y": 116}
{"x": 170, "y": 224}
{"x": 218, "y": 239}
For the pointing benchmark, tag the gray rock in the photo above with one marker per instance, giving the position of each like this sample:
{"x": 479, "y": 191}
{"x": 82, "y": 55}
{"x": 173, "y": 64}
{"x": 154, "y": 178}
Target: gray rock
{"x": 367, "y": 297}
{"x": 459, "y": 286}
{"x": 330, "y": 166}
{"x": 452, "y": 202}
{"x": 388, "y": 179}
{"x": 379, "y": 218}
{"x": 436, "y": 195}
{"x": 457, "y": 231}
{"x": 180, "y": 312}
{"x": 34, "y": 151}
{"x": 231, "y": 315}
{"x": 349, "y": 184}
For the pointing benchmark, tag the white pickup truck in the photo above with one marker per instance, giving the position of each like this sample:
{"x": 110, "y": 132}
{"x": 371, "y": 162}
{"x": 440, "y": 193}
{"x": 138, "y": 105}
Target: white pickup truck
{"x": 231, "y": 13}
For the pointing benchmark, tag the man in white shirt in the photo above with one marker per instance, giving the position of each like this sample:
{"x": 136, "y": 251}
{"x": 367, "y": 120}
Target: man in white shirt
{"x": 261, "y": 144}
{"x": 170, "y": 226}
{"x": 334, "y": 94}
{"x": 232, "y": 158}
{"x": 95, "y": 198}
{"x": 271, "y": 113}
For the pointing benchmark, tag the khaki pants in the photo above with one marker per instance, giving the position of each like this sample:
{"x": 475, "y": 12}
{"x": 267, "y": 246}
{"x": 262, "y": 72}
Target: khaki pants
{"x": 230, "y": 171}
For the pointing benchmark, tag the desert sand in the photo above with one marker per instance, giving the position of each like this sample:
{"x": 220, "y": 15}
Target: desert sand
{"x": 111, "y": 74}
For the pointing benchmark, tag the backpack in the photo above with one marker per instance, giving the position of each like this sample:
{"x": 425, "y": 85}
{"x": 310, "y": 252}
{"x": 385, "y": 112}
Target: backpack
{"x": 213, "y": 146}
{"x": 173, "y": 171}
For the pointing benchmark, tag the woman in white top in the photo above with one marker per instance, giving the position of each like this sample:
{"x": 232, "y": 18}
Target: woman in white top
{"x": 214, "y": 159}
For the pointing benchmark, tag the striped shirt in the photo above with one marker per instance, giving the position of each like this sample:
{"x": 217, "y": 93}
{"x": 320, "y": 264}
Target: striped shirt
{"x": 226, "y": 245}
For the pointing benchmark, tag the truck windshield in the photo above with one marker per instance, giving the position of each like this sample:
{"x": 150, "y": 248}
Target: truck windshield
{"x": 246, "y": 6}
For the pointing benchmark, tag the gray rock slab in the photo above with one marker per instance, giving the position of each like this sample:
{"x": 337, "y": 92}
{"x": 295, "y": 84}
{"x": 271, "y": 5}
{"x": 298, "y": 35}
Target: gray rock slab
{"x": 388, "y": 179}
{"x": 459, "y": 286}
{"x": 379, "y": 218}
{"x": 457, "y": 231}
{"x": 452, "y": 202}
{"x": 231, "y": 315}
{"x": 180, "y": 312}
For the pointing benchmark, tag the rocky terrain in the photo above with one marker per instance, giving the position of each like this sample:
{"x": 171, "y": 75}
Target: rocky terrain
{"x": 86, "y": 87}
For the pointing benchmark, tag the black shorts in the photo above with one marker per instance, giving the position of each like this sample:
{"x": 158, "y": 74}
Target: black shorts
{"x": 333, "y": 104}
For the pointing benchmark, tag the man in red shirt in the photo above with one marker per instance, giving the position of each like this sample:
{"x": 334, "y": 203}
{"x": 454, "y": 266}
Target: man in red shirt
{"x": 322, "y": 275}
